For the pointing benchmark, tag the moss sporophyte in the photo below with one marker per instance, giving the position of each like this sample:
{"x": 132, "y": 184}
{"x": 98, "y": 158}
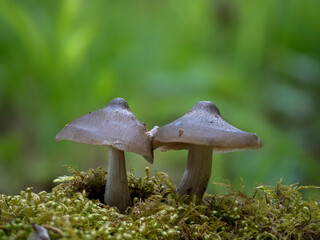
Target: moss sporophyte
{"x": 72, "y": 210}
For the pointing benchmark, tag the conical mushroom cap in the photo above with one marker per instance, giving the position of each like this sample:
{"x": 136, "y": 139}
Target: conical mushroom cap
{"x": 203, "y": 125}
{"x": 114, "y": 125}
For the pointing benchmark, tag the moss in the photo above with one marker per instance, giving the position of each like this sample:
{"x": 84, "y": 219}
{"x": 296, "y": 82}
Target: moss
{"x": 72, "y": 210}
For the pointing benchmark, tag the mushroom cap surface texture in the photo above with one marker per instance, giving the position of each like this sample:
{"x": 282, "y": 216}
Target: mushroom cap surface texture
{"x": 203, "y": 125}
{"x": 114, "y": 125}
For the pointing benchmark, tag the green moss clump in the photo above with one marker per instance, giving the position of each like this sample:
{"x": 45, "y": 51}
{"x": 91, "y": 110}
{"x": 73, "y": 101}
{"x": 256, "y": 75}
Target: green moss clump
{"x": 72, "y": 210}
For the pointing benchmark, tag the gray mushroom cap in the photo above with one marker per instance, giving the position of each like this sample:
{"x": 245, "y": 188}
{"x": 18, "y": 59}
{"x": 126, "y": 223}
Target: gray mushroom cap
{"x": 203, "y": 125}
{"x": 114, "y": 125}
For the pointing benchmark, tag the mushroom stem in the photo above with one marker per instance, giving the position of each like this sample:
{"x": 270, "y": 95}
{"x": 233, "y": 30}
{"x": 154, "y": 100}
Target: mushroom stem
{"x": 117, "y": 191}
{"x": 197, "y": 174}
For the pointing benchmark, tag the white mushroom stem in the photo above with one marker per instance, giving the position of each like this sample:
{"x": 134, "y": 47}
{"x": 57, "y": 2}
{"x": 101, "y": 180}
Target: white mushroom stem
{"x": 117, "y": 191}
{"x": 197, "y": 174}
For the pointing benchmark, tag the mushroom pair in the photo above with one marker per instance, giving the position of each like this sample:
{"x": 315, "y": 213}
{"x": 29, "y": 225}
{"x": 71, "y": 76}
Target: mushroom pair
{"x": 116, "y": 127}
{"x": 201, "y": 131}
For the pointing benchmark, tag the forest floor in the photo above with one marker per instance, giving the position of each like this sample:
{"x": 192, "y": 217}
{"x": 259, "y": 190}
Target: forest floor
{"x": 72, "y": 210}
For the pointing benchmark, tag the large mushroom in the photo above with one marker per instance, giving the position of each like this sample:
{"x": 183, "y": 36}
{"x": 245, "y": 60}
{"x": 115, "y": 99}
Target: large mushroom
{"x": 201, "y": 131}
{"x": 116, "y": 127}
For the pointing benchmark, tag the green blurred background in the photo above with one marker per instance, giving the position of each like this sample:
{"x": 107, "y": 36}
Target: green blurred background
{"x": 258, "y": 61}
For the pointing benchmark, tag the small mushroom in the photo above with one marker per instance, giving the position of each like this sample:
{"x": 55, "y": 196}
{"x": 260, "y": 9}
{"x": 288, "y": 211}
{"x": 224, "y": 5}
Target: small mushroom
{"x": 201, "y": 131}
{"x": 116, "y": 127}
{"x": 40, "y": 233}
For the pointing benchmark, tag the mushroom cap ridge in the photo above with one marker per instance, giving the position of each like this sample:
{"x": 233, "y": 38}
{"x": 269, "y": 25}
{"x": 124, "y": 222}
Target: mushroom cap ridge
{"x": 114, "y": 125}
{"x": 203, "y": 125}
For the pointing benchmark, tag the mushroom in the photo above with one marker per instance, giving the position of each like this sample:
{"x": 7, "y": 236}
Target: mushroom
{"x": 116, "y": 127}
{"x": 202, "y": 131}
{"x": 40, "y": 233}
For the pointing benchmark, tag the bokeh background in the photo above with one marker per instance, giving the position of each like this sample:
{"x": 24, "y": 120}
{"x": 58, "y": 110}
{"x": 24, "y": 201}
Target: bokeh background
{"x": 258, "y": 61}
